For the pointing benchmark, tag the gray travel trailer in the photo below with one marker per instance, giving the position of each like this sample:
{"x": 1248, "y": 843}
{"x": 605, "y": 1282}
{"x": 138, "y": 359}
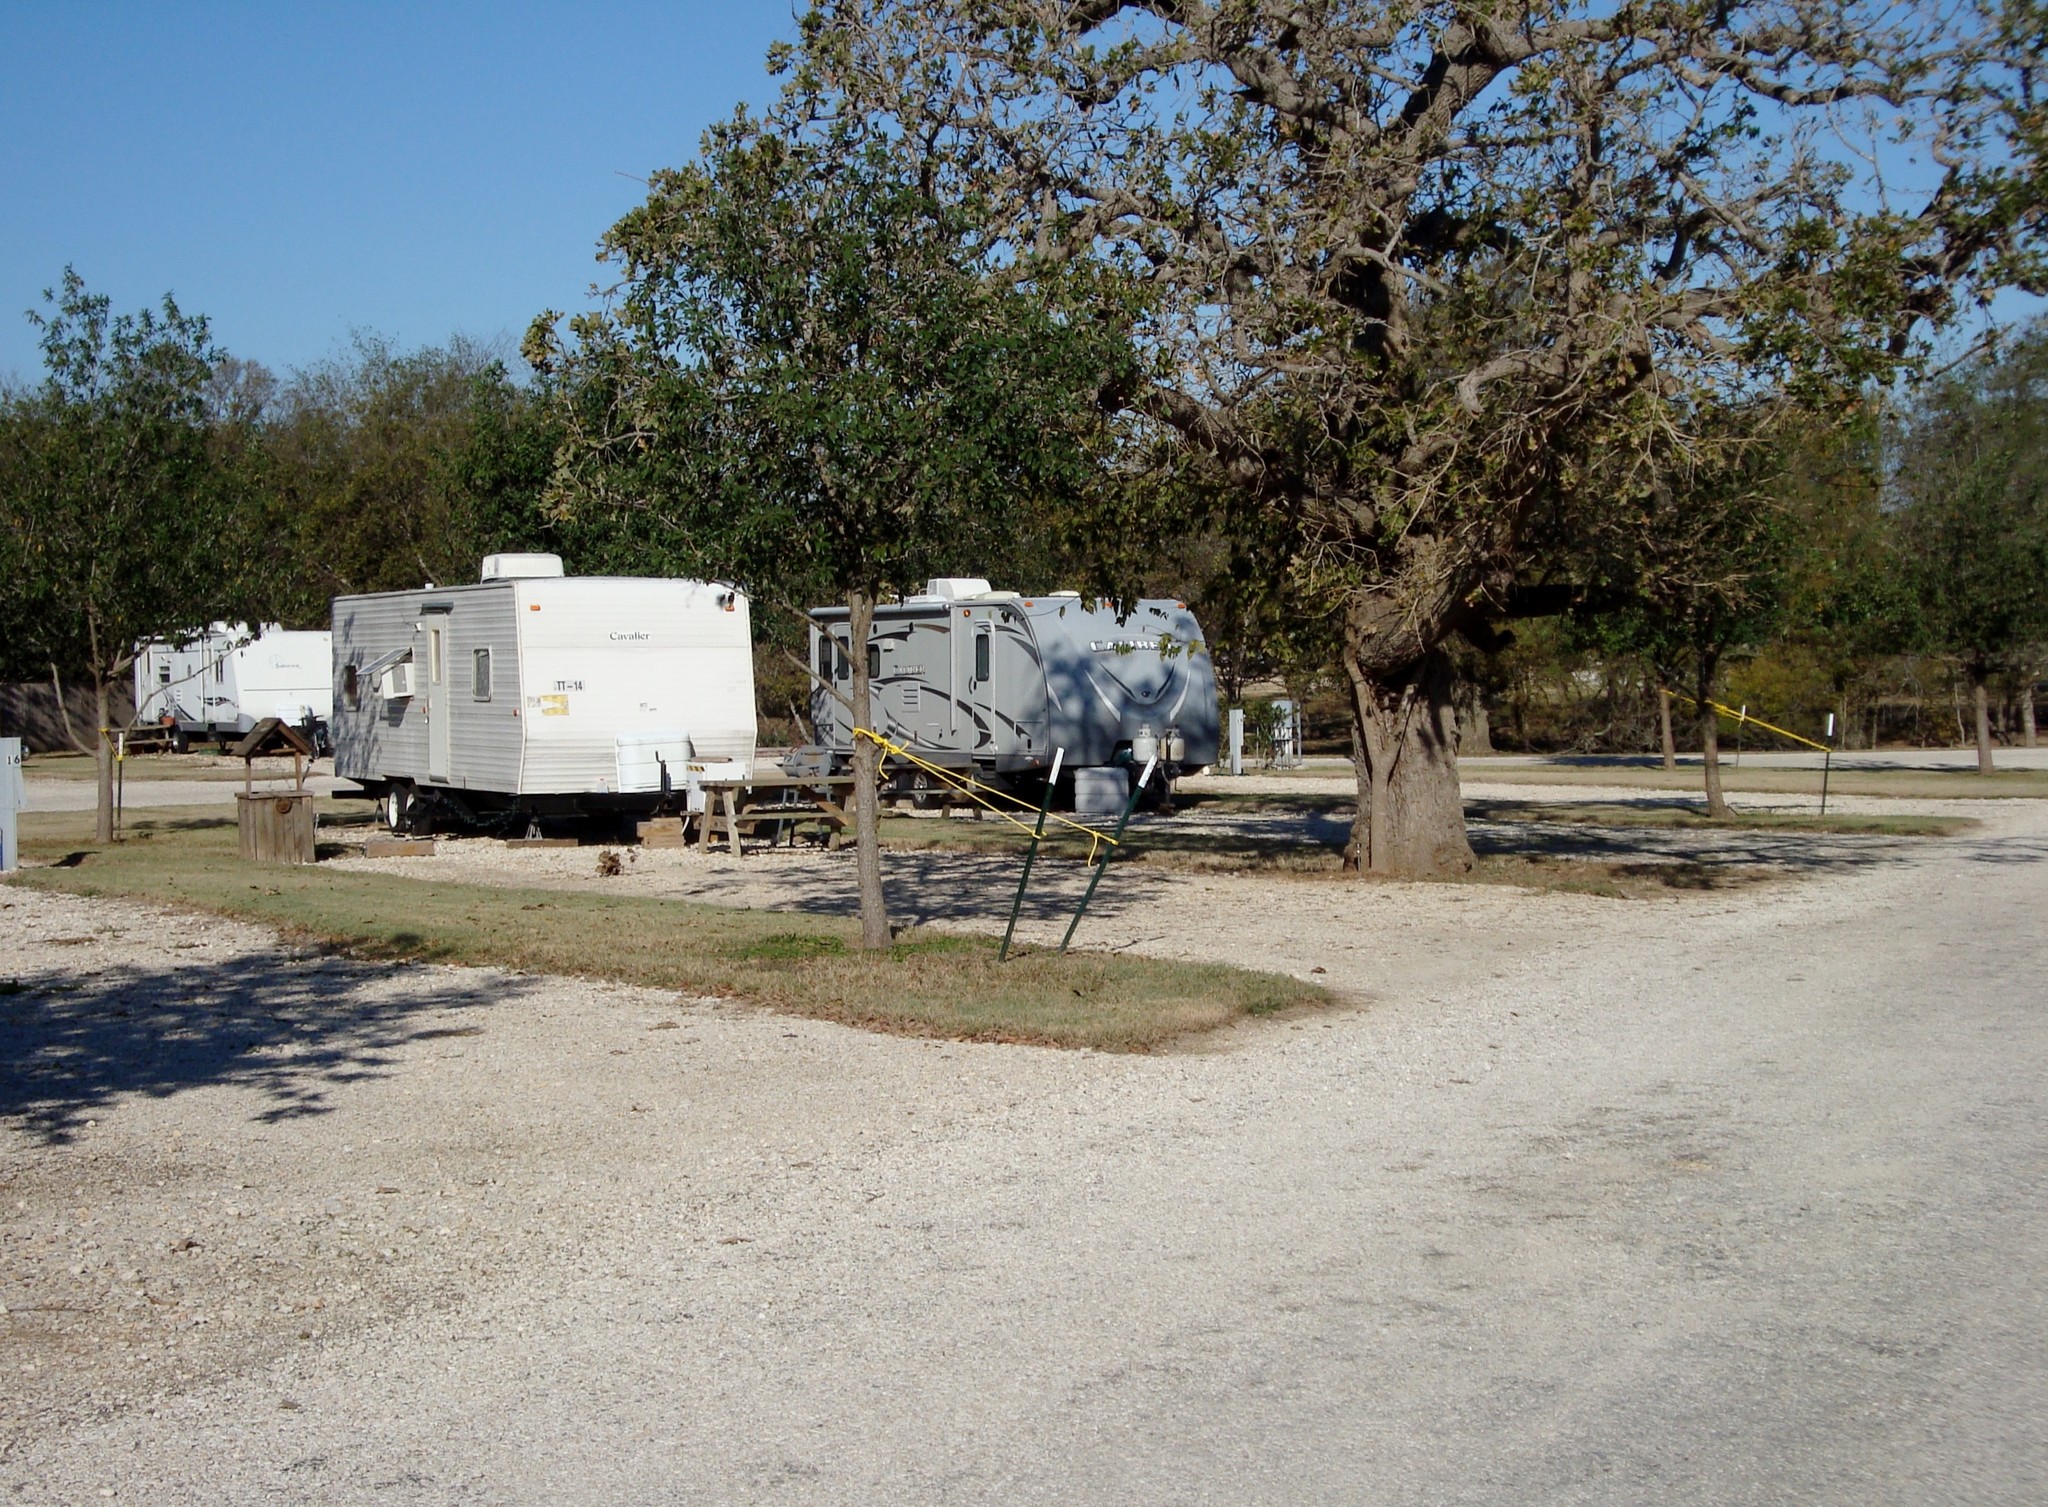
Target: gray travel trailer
{"x": 531, "y": 694}
{"x": 993, "y": 682}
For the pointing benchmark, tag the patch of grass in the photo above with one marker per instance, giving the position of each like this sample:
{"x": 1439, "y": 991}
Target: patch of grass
{"x": 1927, "y": 783}
{"x": 1693, "y": 818}
{"x": 207, "y": 766}
{"x": 790, "y": 947}
{"x": 930, "y": 983}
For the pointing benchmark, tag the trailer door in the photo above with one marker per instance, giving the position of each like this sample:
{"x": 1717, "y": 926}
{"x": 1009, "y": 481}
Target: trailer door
{"x": 439, "y": 712}
{"x": 1006, "y": 692}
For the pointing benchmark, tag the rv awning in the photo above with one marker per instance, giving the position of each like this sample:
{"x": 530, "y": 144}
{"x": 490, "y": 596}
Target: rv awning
{"x": 384, "y": 662}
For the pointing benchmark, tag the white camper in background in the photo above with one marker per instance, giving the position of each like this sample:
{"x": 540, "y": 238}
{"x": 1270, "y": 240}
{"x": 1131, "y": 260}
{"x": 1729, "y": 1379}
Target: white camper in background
{"x": 226, "y": 680}
{"x": 533, "y": 694}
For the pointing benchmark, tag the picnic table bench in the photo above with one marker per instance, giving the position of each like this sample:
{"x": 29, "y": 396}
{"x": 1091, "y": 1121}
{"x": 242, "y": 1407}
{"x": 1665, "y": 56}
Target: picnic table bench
{"x": 775, "y": 800}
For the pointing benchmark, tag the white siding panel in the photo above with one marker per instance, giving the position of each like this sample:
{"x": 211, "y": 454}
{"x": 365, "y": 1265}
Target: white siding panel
{"x": 601, "y": 656}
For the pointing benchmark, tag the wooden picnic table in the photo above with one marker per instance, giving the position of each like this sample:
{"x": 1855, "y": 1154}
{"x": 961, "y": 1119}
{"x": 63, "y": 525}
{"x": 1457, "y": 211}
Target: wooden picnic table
{"x": 762, "y": 798}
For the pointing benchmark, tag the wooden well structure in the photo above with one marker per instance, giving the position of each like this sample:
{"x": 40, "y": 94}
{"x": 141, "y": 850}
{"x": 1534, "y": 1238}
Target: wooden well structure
{"x": 276, "y": 826}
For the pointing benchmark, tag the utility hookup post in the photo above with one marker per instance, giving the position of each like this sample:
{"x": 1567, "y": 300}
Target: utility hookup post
{"x": 1827, "y": 758}
{"x": 13, "y": 796}
{"x": 1237, "y": 740}
{"x": 1740, "y": 723}
{"x": 1031, "y": 853}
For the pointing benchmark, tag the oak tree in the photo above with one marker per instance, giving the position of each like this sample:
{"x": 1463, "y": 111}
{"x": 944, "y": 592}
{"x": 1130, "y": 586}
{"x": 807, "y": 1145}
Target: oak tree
{"x": 1414, "y": 272}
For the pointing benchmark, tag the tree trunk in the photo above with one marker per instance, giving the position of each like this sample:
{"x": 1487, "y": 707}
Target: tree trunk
{"x": 1475, "y": 728}
{"x": 1664, "y": 726}
{"x": 1411, "y": 818}
{"x": 867, "y": 763}
{"x": 103, "y": 764}
{"x": 2028, "y": 733}
{"x": 1710, "y": 736}
{"x": 1981, "y": 702}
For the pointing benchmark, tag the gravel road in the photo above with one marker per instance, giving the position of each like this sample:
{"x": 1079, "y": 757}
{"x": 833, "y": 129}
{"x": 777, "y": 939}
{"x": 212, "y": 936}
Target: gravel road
{"x": 1723, "y": 1198}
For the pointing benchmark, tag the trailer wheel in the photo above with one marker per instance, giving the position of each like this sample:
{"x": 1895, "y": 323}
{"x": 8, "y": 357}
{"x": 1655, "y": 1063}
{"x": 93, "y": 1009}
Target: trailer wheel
{"x": 398, "y": 806}
{"x": 924, "y": 792}
{"x": 181, "y": 741}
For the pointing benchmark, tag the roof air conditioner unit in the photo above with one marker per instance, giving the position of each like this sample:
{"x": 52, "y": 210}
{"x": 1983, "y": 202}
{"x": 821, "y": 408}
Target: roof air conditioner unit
{"x": 520, "y": 567}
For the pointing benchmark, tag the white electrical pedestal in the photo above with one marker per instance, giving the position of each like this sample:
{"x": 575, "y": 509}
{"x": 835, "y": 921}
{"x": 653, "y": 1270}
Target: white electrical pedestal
{"x": 13, "y": 796}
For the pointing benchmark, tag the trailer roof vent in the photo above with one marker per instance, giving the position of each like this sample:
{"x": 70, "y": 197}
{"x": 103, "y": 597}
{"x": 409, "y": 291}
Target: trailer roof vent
{"x": 520, "y": 567}
{"x": 956, "y": 588}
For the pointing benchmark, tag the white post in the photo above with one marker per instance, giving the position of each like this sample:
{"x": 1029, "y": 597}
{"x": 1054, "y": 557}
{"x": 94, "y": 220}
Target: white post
{"x": 1237, "y": 740}
{"x": 13, "y": 796}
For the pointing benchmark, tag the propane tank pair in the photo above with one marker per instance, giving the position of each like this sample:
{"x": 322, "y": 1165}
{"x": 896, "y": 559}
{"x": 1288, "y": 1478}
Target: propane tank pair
{"x": 1147, "y": 746}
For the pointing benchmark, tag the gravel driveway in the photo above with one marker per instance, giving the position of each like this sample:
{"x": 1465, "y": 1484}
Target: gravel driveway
{"x": 1725, "y": 1198}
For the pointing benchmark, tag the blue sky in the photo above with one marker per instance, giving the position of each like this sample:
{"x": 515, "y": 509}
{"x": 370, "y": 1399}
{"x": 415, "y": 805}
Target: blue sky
{"x": 297, "y": 170}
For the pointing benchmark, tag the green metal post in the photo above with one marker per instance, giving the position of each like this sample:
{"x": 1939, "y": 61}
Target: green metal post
{"x": 1031, "y": 854}
{"x": 1096, "y": 878}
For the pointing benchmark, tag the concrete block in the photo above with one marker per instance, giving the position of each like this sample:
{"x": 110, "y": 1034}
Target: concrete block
{"x": 399, "y": 847}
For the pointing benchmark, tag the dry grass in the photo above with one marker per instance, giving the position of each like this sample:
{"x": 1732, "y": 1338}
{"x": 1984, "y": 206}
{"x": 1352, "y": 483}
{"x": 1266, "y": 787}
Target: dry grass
{"x": 1896, "y": 782}
{"x": 207, "y": 766}
{"x": 930, "y": 983}
{"x": 1689, "y": 818}
{"x": 1922, "y": 784}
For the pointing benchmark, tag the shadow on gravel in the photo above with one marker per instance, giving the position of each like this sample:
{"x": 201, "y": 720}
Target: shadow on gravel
{"x": 934, "y": 885}
{"x": 1800, "y": 852}
{"x": 289, "y": 1028}
{"x": 2005, "y": 850}
{"x": 1283, "y": 828}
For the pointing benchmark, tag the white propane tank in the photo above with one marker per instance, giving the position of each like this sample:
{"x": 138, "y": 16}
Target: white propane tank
{"x": 1145, "y": 746}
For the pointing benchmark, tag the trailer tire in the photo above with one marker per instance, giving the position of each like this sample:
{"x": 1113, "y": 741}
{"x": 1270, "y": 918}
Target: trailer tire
{"x": 398, "y": 806}
{"x": 181, "y": 741}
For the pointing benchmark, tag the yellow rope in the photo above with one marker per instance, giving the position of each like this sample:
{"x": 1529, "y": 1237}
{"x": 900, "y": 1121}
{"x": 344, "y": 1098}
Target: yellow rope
{"x": 1731, "y": 713}
{"x": 977, "y": 792}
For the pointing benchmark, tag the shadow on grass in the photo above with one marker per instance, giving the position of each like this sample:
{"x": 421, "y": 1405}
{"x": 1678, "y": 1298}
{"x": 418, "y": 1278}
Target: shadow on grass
{"x": 289, "y": 1027}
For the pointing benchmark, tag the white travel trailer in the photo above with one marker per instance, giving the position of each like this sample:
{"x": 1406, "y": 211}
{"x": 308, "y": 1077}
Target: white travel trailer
{"x": 532, "y": 694}
{"x": 224, "y": 681}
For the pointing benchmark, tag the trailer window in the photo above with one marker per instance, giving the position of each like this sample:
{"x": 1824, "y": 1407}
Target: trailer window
{"x": 220, "y": 670}
{"x": 480, "y": 675}
{"x": 163, "y": 673}
{"x": 841, "y": 665}
{"x": 874, "y": 661}
{"x": 981, "y": 654}
{"x": 352, "y": 688}
{"x": 824, "y": 656}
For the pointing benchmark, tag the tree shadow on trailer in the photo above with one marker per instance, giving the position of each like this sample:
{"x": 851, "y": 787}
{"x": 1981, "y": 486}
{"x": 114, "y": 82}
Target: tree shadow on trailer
{"x": 290, "y": 1027}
